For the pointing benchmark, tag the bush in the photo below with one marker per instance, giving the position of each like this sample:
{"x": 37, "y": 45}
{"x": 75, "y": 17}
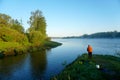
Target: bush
{"x": 36, "y": 38}
{"x": 10, "y": 35}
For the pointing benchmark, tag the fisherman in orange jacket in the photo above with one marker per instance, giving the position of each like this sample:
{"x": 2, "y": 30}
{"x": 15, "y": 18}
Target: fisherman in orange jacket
{"x": 89, "y": 49}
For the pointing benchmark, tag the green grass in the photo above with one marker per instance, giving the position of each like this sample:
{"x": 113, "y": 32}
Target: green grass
{"x": 84, "y": 68}
{"x": 51, "y": 44}
{"x": 9, "y": 47}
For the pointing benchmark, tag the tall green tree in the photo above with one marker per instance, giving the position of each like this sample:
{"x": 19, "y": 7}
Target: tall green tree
{"x": 37, "y": 31}
{"x": 37, "y": 22}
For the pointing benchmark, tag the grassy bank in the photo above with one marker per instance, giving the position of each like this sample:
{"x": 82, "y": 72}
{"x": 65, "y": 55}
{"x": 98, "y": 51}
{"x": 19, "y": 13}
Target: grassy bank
{"x": 14, "y": 48}
{"x": 84, "y": 68}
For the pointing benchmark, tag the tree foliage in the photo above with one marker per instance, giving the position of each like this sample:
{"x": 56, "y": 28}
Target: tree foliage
{"x": 37, "y": 22}
{"x": 17, "y": 26}
{"x": 11, "y": 35}
{"x": 5, "y": 20}
{"x": 37, "y": 30}
{"x": 36, "y": 38}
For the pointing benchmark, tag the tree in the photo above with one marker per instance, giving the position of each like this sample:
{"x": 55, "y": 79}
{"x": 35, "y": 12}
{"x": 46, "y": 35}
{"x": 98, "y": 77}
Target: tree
{"x": 37, "y": 30}
{"x": 37, "y": 22}
{"x": 16, "y": 25}
{"x": 5, "y": 20}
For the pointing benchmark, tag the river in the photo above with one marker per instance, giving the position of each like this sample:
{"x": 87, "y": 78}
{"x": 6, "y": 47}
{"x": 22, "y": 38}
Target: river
{"x": 41, "y": 65}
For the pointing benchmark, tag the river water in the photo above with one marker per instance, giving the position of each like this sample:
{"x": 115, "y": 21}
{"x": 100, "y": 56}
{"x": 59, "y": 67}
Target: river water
{"x": 41, "y": 65}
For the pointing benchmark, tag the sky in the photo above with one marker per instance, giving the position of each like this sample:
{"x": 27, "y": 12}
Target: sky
{"x": 68, "y": 17}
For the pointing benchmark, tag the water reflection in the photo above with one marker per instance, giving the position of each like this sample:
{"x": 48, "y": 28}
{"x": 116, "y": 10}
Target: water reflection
{"x": 9, "y": 65}
{"x": 29, "y": 66}
{"x": 38, "y": 63}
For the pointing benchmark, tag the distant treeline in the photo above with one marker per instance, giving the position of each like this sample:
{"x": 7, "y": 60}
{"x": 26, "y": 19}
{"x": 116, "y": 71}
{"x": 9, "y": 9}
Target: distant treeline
{"x": 112, "y": 34}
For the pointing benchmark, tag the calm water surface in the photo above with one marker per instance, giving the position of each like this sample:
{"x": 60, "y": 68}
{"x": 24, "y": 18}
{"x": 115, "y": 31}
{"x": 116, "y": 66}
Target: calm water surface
{"x": 41, "y": 65}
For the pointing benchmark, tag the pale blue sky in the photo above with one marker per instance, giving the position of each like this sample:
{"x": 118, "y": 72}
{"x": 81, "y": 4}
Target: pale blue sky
{"x": 68, "y": 17}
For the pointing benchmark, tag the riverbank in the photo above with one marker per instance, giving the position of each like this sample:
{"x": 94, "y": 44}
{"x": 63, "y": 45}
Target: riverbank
{"x": 100, "y": 67}
{"x": 14, "y": 48}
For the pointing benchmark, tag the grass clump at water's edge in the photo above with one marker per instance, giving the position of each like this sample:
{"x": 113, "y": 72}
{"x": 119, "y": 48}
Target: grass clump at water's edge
{"x": 45, "y": 45}
{"x": 51, "y": 44}
{"x": 84, "y": 68}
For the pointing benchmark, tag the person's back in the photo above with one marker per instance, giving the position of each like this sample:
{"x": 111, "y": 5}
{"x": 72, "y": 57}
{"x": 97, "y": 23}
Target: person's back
{"x": 89, "y": 49}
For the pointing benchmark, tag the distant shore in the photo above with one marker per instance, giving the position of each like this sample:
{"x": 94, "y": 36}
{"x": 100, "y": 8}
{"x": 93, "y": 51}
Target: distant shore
{"x": 100, "y": 67}
{"x": 98, "y": 35}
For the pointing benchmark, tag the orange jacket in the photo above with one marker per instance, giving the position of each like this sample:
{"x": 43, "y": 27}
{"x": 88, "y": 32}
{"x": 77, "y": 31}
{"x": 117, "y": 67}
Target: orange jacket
{"x": 89, "y": 49}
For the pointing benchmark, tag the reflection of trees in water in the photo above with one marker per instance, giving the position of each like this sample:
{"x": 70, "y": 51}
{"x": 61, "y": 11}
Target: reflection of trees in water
{"x": 10, "y": 64}
{"x": 28, "y": 66}
{"x": 38, "y": 63}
